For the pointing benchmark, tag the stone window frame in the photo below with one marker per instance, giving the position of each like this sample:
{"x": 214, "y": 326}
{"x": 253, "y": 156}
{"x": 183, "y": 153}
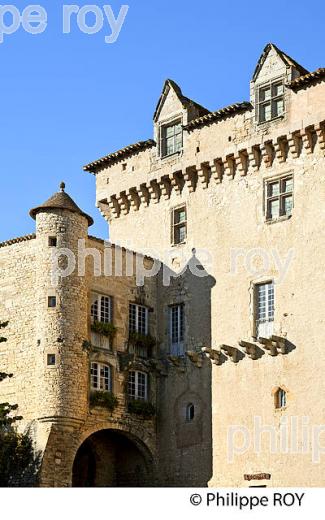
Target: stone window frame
{"x": 101, "y": 365}
{"x": 275, "y": 394}
{"x": 177, "y": 348}
{"x": 190, "y": 412}
{"x": 163, "y": 125}
{"x": 52, "y": 241}
{"x": 175, "y": 226}
{"x": 269, "y": 310}
{"x": 138, "y": 326}
{"x": 54, "y": 352}
{"x": 271, "y": 83}
{"x": 279, "y": 178}
{"x": 252, "y": 304}
{"x": 108, "y": 317}
{"x": 50, "y": 358}
{"x": 51, "y": 298}
{"x": 133, "y": 385}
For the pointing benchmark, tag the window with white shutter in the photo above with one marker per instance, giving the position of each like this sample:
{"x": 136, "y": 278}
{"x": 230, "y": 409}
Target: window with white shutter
{"x": 138, "y": 385}
{"x": 264, "y": 300}
{"x": 138, "y": 319}
{"x": 101, "y": 308}
{"x": 176, "y": 329}
{"x": 100, "y": 377}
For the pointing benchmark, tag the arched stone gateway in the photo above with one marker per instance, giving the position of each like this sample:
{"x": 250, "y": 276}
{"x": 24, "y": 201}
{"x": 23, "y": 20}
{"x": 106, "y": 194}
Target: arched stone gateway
{"x": 112, "y": 458}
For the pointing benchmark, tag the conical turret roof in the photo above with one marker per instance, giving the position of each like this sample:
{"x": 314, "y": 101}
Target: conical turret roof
{"x": 60, "y": 200}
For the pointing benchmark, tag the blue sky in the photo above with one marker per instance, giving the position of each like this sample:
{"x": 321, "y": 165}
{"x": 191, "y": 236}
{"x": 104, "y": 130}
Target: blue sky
{"x": 67, "y": 99}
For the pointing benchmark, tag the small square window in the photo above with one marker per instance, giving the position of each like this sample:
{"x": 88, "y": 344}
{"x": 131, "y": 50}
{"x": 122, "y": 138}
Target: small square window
{"x": 51, "y": 302}
{"x": 51, "y": 359}
{"x": 53, "y": 241}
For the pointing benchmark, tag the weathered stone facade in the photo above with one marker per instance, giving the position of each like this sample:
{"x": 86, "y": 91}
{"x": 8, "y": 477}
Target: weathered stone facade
{"x": 225, "y": 374}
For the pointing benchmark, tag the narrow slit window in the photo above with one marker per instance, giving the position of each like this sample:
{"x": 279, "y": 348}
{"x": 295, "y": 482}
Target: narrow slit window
{"x": 280, "y": 398}
{"x": 190, "y": 412}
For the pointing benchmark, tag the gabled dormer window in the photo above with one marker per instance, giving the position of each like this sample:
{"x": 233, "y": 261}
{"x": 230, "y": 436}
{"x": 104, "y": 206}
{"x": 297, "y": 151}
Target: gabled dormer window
{"x": 270, "y": 100}
{"x": 171, "y": 138}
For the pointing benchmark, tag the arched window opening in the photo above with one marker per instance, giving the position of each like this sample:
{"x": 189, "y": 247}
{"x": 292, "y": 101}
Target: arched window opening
{"x": 190, "y": 412}
{"x": 280, "y": 398}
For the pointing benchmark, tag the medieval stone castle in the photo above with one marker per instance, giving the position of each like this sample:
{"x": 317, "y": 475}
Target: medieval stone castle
{"x": 193, "y": 382}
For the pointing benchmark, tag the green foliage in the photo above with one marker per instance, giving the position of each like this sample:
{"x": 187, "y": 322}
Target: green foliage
{"x": 18, "y": 463}
{"x": 142, "y": 408}
{"x": 104, "y": 399}
{"x": 86, "y": 345}
{"x": 106, "y": 329}
{"x": 141, "y": 340}
{"x": 5, "y": 411}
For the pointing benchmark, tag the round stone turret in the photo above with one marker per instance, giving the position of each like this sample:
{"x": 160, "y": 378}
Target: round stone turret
{"x": 62, "y": 299}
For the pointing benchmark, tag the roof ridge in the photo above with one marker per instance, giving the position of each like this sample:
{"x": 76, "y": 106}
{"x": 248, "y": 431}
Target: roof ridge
{"x": 119, "y": 154}
{"x": 219, "y": 114}
{"x": 309, "y": 78}
{"x": 16, "y": 240}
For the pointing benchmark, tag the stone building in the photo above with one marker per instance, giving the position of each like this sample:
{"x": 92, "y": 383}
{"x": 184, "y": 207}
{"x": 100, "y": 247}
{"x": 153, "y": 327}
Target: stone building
{"x": 209, "y": 371}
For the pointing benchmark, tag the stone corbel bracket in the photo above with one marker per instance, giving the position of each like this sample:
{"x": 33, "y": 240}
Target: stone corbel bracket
{"x": 281, "y": 343}
{"x": 214, "y": 355}
{"x": 274, "y": 345}
{"x": 195, "y": 357}
{"x": 232, "y": 352}
{"x": 159, "y": 367}
{"x": 177, "y": 362}
{"x": 251, "y": 349}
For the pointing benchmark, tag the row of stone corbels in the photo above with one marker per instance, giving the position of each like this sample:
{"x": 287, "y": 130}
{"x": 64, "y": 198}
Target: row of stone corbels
{"x": 274, "y": 346}
{"x": 250, "y": 158}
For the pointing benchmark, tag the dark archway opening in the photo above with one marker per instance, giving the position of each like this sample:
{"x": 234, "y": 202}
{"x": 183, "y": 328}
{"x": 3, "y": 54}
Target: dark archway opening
{"x": 109, "y": 458}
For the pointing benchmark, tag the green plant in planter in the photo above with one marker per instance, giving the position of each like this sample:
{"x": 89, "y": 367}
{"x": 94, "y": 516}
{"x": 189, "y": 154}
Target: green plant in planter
{"x": 142, "y": 340}
{"x": 142, "y": 408}
{"x": 104, "y": 399}
{"x": 106, "y": 329}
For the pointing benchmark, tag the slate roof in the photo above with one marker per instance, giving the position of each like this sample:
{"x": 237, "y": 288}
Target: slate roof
{"x": 60, "y": 200}
{"x": 307, "y": 79}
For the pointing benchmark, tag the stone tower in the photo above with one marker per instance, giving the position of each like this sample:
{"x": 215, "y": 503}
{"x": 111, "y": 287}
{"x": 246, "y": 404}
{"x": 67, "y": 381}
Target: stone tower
{"x": 61, "y": 327}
